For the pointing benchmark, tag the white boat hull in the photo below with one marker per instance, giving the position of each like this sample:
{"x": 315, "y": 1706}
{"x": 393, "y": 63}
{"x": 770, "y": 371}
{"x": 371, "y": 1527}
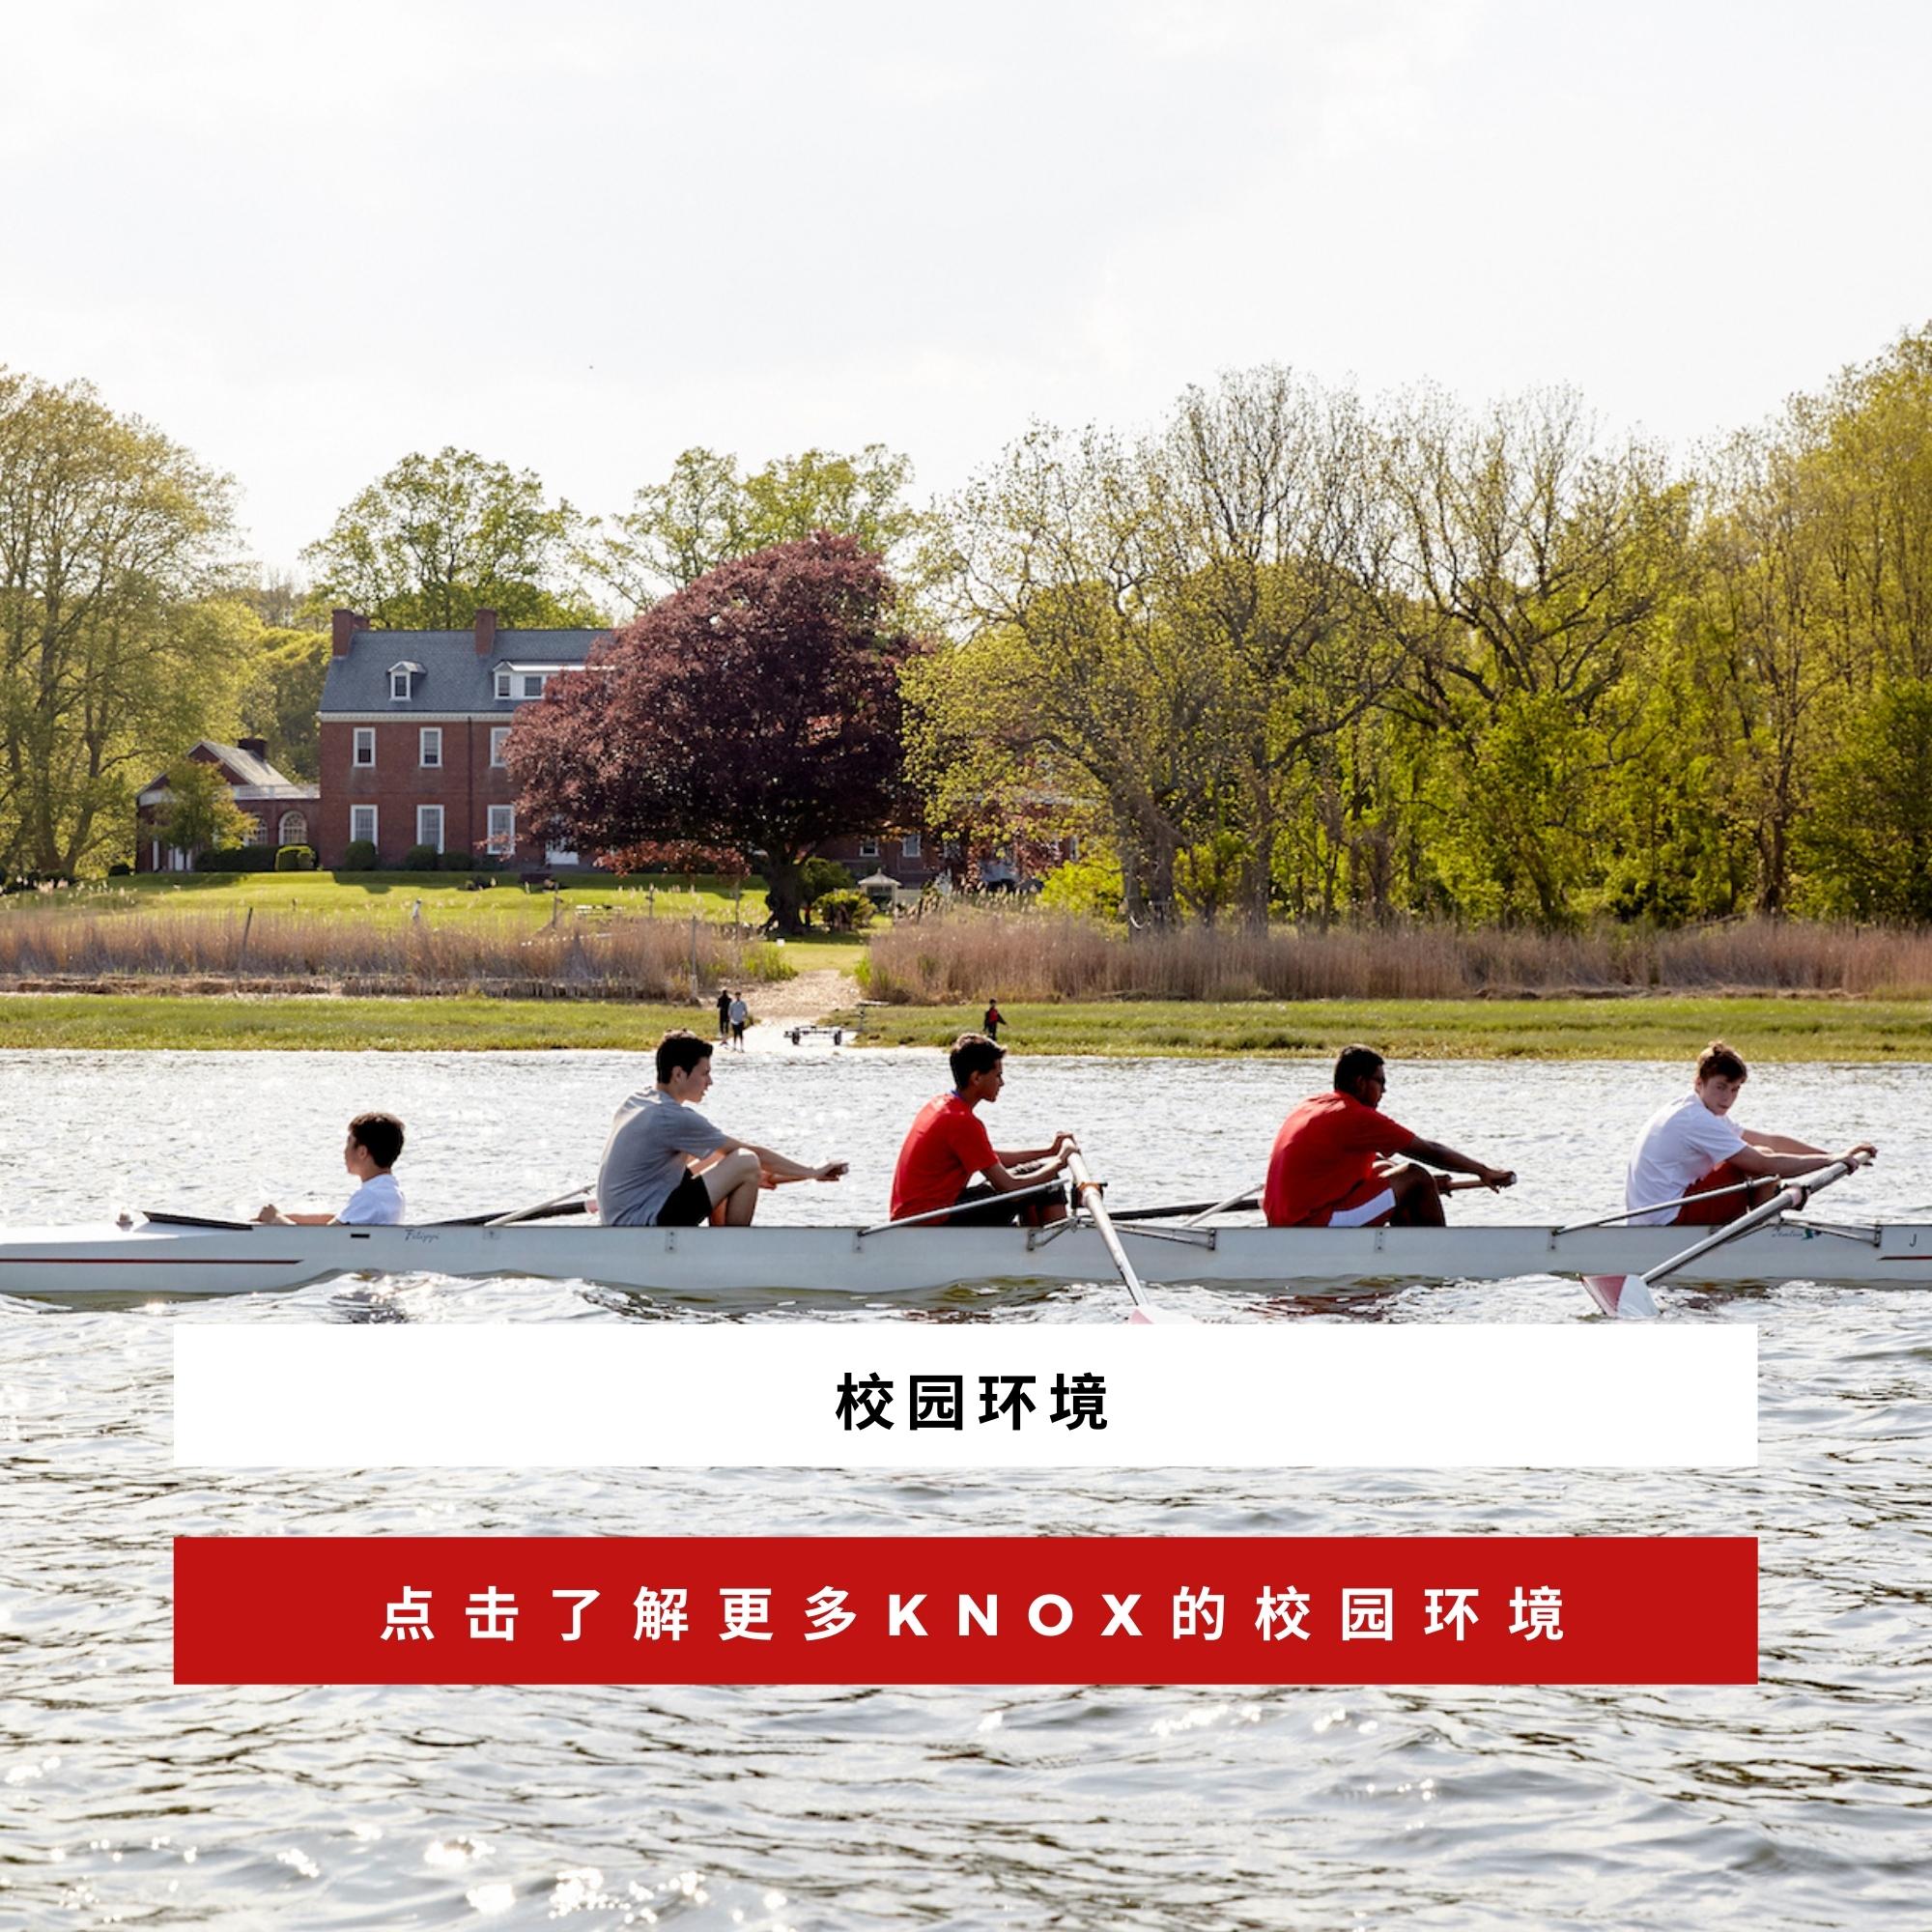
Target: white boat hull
{"x": 752, "y": 1264}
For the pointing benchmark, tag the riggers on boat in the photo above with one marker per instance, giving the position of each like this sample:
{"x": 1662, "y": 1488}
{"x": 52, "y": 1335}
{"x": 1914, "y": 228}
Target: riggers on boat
{"x": 745, "y": 1267}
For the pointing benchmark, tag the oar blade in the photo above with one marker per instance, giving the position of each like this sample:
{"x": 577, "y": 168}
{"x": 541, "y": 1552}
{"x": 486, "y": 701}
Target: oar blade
{"x": 1622, "y": 1297}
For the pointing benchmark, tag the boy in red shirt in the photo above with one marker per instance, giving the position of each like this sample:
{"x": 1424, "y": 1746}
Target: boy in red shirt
{"x": 949, "y": 1145}
{"x": 1334, "y": 1165}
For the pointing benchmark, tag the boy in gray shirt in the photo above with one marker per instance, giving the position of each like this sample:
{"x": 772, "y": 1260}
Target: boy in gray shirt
{"x": 666, "y": 1166}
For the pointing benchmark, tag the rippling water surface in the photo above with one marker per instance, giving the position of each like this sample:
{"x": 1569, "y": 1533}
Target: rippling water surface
{"x": 1805, "y": 1800}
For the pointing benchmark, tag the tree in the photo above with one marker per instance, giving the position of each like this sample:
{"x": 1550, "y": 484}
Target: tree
{"x": 756, "y": 708}
{"x": 280, "y": 693}
{"x": 1869, "y": 836}
{"x": 705, "y": 513}
{"x": 200, "y": 814}
{"x": 438, "y": 538}
{"x": 111, "y": 537}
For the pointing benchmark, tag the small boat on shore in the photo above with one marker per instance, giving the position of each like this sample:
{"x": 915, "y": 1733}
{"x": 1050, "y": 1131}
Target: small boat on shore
{"x": 172, "y": 1256}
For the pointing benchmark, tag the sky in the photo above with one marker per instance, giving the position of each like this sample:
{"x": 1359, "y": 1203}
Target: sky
{"x": 580, "y": 237}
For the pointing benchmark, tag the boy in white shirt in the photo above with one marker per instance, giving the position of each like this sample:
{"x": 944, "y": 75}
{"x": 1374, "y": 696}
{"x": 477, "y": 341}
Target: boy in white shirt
{"x": 375, "y": 1144}
{"x": 1692, "y": 1146}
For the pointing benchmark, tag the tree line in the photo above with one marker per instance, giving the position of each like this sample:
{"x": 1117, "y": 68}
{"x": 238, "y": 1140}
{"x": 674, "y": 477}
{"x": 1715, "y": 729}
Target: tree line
{"x": 1290, "y": 652}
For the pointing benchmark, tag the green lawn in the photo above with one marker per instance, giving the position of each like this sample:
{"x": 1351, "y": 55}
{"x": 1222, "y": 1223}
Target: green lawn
{"x": 98, "y": 1021}
{"x": 1632, "y": 1029}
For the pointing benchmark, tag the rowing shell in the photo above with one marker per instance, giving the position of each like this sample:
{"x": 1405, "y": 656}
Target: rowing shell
{"x": 721, "y": 1264}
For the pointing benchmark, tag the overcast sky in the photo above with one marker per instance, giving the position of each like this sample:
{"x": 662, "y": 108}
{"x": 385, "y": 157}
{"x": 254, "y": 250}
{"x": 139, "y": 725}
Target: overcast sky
{"x": 306, "y": 239}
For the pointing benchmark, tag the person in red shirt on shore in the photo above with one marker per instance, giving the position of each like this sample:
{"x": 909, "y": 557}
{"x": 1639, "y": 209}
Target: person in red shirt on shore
{"x": 1335, "y": 1161}
{"x": 949, "y": 1145}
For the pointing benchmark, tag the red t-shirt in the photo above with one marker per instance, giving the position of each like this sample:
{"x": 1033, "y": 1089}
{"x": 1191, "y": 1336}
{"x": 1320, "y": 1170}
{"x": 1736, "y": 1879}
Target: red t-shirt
{"x": 945, "y": 1149}
{"x": 1326, "y": 1149}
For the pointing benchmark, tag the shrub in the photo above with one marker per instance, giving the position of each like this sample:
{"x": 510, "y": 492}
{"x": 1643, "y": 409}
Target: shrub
{"x": 846, "y": 911}
{"x": 458, "y": 862}
{"x": 420, "y": 858}
{"x": 295, "y": 859}
{"x": 1086, "y": 888}
{"x": 489, "y": 862}
{"x": 360, "y": 856}
{"x": 120, "y": 870}
{"x": 236, "y": 859}
{"x": 820, "y": 877}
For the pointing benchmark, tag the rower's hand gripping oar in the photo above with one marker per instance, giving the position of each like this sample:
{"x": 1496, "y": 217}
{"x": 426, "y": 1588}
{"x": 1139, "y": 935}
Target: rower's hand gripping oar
{"x": 1087, "y": 1191}
{"x": 1625, "y": 1295}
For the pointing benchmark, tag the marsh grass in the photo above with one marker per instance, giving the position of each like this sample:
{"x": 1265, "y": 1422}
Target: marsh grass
{"x": 966, "y": 958}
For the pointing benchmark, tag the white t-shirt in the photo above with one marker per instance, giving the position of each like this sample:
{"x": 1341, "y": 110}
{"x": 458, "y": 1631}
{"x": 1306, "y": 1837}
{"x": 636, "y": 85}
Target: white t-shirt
{"x": 1681, "y": 1143}
{"x": 377, "y": 1203}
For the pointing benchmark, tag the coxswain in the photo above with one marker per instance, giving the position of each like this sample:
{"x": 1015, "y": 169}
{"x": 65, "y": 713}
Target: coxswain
{"x": 1691, "y": 1146}
{"x": 666, "y": 1166}
{"x": 1339, "y": 1161}
{"x": 374, "y": 1146}
{"x": 949, "y": 1145}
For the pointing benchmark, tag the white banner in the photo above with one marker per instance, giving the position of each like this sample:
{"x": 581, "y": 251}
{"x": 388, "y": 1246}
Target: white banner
{"x": 911, "y": 1395}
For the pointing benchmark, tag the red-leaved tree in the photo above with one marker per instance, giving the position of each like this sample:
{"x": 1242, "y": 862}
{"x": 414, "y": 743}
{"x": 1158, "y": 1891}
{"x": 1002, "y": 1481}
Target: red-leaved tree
{"x": 758, "y": 708}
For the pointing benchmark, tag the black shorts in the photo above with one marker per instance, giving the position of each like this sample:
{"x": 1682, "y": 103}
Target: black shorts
{"x": 986, "y": 1207}
{"x": 688, "y": 1206}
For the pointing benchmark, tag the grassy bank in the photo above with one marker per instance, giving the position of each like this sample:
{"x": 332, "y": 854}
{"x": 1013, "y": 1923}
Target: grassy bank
{"x": 1665, "y": 1027}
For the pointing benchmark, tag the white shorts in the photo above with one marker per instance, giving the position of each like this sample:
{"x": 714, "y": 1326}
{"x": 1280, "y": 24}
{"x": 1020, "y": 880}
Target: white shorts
{"x": 1365, "y": 1213}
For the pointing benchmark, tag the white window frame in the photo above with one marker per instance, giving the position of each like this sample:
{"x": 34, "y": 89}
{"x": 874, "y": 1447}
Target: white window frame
{"x": 258, "y": 831}
{"x": 503, "y": 684}
{"x": 503, "y": 823}
{"x": 539, "y": 678}
{"x": 429, "y": 738}
{"x": 282, "y": 828}
{"x": 909, "y": 845}
{"x": 868, "y": 848}
{"x": 499, "y": 733}
{"x": 399, "y": 687}
{"x": 365, "y": 741}
{"x": 355, "y": 813}
{"x": 423, "y": 822}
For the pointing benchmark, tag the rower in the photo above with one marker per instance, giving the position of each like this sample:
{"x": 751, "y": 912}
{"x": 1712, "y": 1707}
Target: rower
{"x": 666, "y": 1166}
{"x": 948, "y": 1144}
{"x": 1691, "y": 1146}
{"x": 1334, "y": 1162}
{"x": 374, "y": 1146}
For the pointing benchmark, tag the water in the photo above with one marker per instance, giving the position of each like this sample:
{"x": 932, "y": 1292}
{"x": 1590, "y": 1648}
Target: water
{"x": 1805, "y": 1800}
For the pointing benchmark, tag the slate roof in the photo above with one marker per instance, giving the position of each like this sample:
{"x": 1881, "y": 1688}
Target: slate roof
{"x": 453, "y": 677}
{"x": 244, "y": 768}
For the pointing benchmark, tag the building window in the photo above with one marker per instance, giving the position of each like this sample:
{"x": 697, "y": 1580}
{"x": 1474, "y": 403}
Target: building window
{"x": 366, "y": 744}
{"x": 503, "y": 830}
{"x": 429, "y": 825}
{"x": 430, "y": 747}
{"x": 362, "y": 823}
{"x": 533, "y": 683}
{"x": 909, "y": 845}
{"x": 497, "y": 734}
{"x": 258, "y": 831}
{"x": 868, "y": 848}
{"x": 503, "y": 684}
{"x": 294, "y": 829}
{"x": 399, "y": 685}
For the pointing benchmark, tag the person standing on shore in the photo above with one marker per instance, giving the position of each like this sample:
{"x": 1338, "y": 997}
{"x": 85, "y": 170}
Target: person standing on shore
{"x": 994, "y": 1020}
{"x": 374, "y": 1146}
{"x": 723, "y": 1014}
{"x": 1691, "y": 1146}
{"x": 741, "y": 1018}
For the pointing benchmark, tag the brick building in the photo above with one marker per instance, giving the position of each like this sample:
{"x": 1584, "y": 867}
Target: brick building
{"x": 284, "y": 812}
{"x": 412, "y": 730}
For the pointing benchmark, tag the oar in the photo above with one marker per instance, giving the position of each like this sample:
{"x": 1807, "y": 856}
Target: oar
{"x": 540, "y": 1210}
{"x": 946, "y": 1214}
{"x": 1657, "y": 1206}
{"x": 1087, "y": 1191}
{"x": 495, "y": 1220}
{"x": 1246, "y": 1198}
{"x": 1629, "y": 1295}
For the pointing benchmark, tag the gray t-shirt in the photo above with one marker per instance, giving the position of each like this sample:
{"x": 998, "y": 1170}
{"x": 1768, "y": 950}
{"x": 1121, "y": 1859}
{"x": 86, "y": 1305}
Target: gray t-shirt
{"x": 651, "y": 1138}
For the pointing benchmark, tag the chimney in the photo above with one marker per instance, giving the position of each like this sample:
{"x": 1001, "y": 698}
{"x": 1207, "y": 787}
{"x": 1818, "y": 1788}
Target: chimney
{"x": 486, "y": 633}
{"x": 256, "y": 747}
{"x": 342, "y": 628}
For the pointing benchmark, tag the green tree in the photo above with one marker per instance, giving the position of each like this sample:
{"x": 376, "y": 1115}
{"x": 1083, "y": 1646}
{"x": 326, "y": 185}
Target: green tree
{"x": 438, "y": 538}
{"x": 200, "y": 814}
{"x": 280, "y": 692}
{"x": 1868, "y": 839}
{"x": 706, "y": 513}
{"x": 111, "y": 538}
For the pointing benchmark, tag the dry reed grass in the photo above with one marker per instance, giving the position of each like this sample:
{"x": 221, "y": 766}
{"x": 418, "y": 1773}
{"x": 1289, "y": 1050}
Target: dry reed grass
{"x": 636, "y": 958}
{"x": 967, "y": 958}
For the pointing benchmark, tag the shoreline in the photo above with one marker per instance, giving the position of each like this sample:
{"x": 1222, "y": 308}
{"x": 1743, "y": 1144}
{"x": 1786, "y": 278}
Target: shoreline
{"x": 1766, "y": 1029}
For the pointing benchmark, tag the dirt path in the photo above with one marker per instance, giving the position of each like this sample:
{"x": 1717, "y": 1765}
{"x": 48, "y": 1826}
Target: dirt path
{"x": 800, "y": 1002}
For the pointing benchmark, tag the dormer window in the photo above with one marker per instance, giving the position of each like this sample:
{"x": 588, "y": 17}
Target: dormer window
{"x": 401, "y": 678}
{"x": 533, "y": 683}
{"x": 502, "y": 681}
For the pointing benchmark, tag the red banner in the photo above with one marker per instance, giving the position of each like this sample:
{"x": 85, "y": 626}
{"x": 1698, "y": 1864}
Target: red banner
{"x": 807, "y": 1610}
